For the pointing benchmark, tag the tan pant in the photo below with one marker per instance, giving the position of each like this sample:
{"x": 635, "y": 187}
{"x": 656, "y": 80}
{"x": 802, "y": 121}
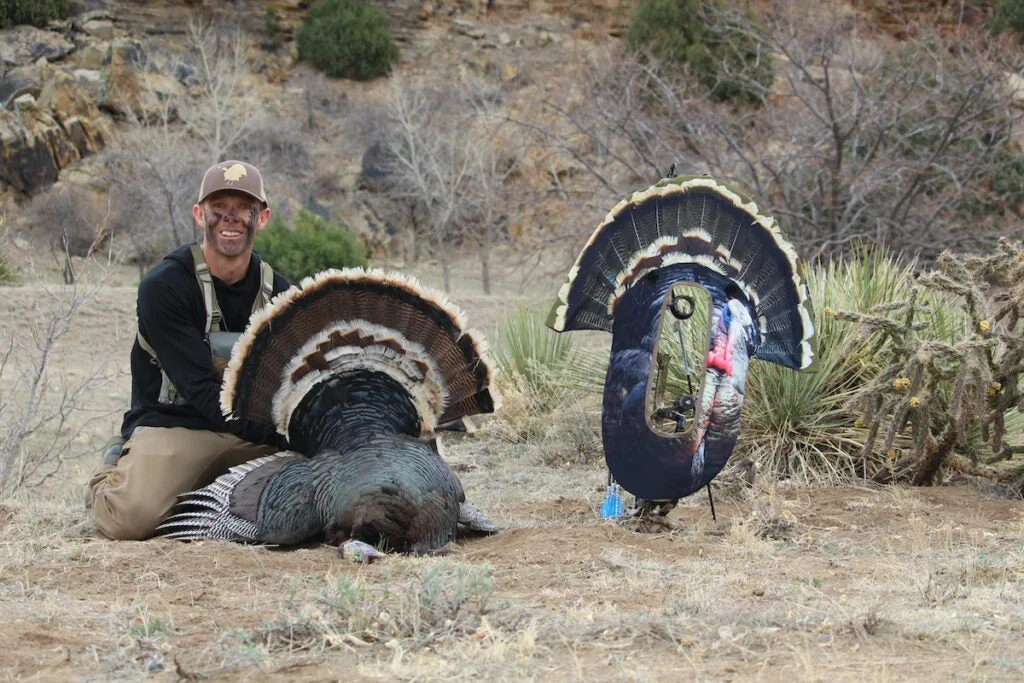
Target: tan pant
{"x": 131, "y": 498}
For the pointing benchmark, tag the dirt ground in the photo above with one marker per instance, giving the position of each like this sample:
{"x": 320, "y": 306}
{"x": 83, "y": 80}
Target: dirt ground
{"x": 789, "y": 583}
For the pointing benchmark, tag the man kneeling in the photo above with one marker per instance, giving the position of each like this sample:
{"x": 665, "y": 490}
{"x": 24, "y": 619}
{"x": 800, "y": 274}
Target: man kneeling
{"x": 191, "y": 307}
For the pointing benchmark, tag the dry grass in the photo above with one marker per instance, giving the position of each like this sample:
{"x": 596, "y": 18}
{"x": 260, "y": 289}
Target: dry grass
{"x": 791, "y": 581}
{"x": 841, "y": 583}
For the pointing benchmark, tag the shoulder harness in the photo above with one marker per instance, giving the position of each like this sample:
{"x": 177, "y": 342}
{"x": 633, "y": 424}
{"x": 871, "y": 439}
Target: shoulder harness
{"x": 214, "y": 335}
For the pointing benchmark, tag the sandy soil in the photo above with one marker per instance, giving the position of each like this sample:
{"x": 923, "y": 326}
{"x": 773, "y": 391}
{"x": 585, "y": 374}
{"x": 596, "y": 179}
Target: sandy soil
{"x": 790, "y": 582}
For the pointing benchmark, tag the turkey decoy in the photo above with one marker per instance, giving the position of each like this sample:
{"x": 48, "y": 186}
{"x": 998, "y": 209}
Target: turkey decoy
{"x": 689, "y": 235}
{"x": 357, "y": 368}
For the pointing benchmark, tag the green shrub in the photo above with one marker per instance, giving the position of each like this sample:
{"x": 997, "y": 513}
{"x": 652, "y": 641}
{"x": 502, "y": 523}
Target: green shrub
{"x": 545, "y": 380}
{"x": 35, "y": 12}
{"x": 347, "y": 39}
{"x": 272, "y": 40}
{"x": 6, "y": 271}
{"x": 1008, "y": 16}
{"x": 800, "y": 424}
{"x": 310, "y": 246}
{"x": 271, "y": 21}
{"x": 697, "y": 37}
{"x": 535, "y": 358}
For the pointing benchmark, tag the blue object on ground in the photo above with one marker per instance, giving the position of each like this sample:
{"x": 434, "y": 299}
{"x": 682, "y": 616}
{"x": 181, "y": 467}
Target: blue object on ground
{"x": 612, "y": 508}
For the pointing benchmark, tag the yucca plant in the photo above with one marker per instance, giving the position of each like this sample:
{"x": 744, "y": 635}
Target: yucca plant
{"x": 546, "y": 383}
{"x": 535, "y": 358}
{"x": 801, "y": 424}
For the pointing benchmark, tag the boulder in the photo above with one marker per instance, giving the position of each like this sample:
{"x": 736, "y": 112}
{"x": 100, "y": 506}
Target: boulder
{"x": 20, "y": 45}
{"x": 42, "y": 124}
{"x": 83, "y": 11}
{"x": 33, "y": 148}
{"x": 75, "y": 110}
{"x": 126, "y": 88}
{"x": 86, "y": 137}
{"x": 92, "y": 55}
{"x": 63, "y": 97}
{"x": 376, "y": 166}
{"x": 99, "y": 28}
{"x": 87, "y": 77}
{"x": 1014, "y": 87}
{"x": 19, "y": 81}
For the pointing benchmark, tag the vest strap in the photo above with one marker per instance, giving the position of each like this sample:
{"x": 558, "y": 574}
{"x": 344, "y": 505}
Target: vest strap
{"x": 214, "y": 317}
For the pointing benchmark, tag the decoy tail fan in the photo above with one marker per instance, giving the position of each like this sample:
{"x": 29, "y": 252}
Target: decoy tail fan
{"x": 693, "y": 220}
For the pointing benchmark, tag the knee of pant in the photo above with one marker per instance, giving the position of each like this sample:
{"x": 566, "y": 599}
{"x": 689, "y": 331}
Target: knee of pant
{"x": 125, "y": 522}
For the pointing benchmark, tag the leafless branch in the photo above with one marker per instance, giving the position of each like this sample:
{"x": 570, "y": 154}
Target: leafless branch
{"x": 42, "y": 409}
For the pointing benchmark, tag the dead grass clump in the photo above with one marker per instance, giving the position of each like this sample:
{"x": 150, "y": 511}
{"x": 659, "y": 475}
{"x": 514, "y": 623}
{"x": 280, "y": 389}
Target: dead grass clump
{"x": 562, "y": 436}
{"x": 737, "y": 483}
{"x": 515, "y": 423}
{"x": 139, "y": 642}
{"x": 942, "y": 586}
{"x": 572, "y": 438}
{"x": 777, "y": 529}
{"x": 6, "y": 515}
{"x": 447, "y": 599}
{"x": 863, "y": 626}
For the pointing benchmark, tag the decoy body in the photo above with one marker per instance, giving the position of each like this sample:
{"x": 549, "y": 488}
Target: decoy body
{"x": 692, "y": 231}
{"x": 357, "y": 368}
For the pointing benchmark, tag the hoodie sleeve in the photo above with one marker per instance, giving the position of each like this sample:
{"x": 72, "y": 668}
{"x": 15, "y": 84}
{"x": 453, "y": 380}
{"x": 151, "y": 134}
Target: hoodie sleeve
{"x": 170, "y": 318}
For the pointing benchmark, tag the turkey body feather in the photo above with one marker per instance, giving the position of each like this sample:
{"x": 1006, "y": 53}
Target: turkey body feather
{"x": 692, "y": 230}
{"x": 356, "y": 367}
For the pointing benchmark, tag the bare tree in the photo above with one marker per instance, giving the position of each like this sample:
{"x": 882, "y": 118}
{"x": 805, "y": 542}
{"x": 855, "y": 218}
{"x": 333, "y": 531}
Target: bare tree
{"x": 494, "y": 200}
{"x": 488, "y": 198}
{"x": 42, "y": 409}
{"x": 177, "y": 135}
{"x": 890, "y": 141}
{"x": 154, "y": 172}
{"x": 899, "y": 142}
{"x": 622, "y": 121}
{"x": 431, "y": 158}
{"x": 224, "y": 113}
{"x": 451, "y": 156}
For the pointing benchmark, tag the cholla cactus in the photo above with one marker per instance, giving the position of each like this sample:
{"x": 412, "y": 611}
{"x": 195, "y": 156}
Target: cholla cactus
{"x": 942, "y": 385}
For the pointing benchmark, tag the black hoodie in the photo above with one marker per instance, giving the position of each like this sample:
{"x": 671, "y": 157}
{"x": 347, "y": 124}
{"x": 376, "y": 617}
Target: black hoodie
{"x": 172, "y": 318}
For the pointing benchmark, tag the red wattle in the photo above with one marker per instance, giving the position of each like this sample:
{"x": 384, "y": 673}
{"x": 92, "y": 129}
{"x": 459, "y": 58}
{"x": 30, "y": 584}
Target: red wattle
{"x": 720, "y": 357}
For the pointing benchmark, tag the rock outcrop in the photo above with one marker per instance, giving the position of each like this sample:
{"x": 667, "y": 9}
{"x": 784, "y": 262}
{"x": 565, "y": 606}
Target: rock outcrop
{"x": 33, "y": 147}
{"x": 27, "y": 44}
{"x": 67, "y": 91}
{"x": 49, "y": 121}
{"x": 127, "y": 88}
{"x": 49, "y": 112}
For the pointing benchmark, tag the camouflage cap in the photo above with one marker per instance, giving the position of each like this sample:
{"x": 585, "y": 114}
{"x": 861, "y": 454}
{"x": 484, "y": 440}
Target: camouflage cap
{"x": 233, "y": 175}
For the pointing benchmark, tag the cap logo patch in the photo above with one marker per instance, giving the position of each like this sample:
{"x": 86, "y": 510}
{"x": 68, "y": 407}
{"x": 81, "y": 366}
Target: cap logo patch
{"x": 234, "y": 173}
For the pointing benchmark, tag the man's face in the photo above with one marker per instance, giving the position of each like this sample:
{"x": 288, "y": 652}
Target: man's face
{"x": 230, "y": 221}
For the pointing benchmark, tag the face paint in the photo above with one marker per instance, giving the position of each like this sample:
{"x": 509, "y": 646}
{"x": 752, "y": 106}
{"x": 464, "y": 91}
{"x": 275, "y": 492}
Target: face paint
{"x": 243, "y": 221}
{"x": 254, "y": 213}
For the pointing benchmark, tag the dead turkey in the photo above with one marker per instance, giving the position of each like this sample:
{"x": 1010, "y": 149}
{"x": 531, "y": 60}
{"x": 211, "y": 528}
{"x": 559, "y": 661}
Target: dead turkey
{"x": 357, "y": 368}
{"x": 655, "y": 254}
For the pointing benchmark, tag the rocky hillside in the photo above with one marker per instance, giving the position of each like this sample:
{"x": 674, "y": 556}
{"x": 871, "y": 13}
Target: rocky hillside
{"x": 69, "y": 92}
{"x": 75, "y": 94}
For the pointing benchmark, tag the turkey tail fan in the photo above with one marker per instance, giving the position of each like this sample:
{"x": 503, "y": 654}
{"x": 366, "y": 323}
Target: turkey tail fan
{"x": 342, "y": 322}
{"x": 228, "y": 510}
{"x": 701, "y": 221}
